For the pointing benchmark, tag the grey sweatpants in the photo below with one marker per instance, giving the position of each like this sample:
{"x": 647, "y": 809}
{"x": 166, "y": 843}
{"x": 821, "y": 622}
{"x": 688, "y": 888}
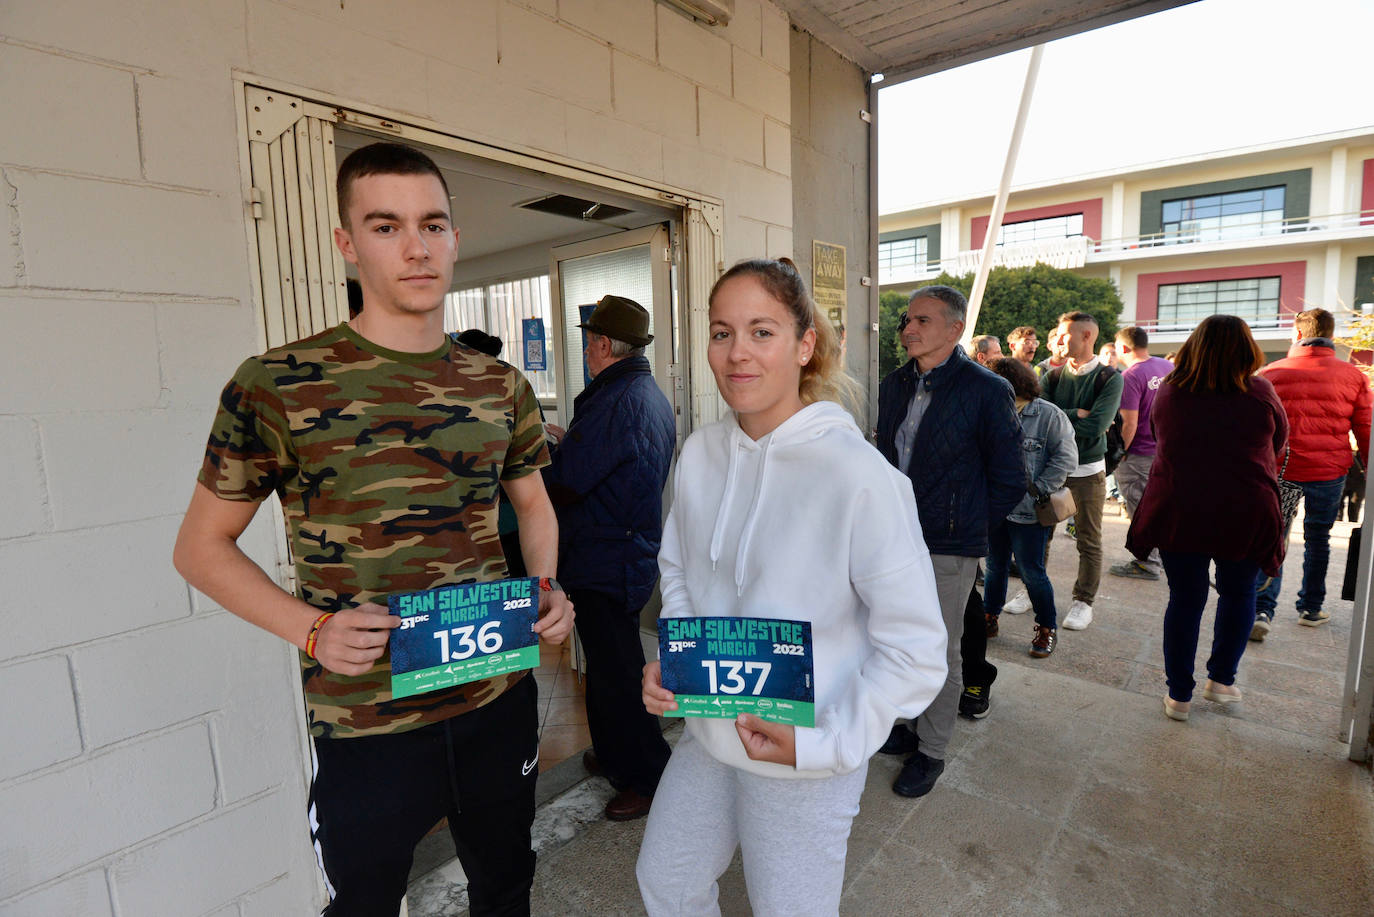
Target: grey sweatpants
{"x": 953, "y": 579}
{"x": 793, "y": 835}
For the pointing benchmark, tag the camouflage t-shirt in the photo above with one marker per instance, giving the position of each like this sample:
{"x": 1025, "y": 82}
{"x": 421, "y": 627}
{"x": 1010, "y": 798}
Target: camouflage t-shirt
{"x": 387, "y": 465}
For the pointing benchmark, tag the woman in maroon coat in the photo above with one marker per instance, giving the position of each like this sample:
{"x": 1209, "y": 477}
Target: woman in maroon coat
{"x": 1213, "y": 496}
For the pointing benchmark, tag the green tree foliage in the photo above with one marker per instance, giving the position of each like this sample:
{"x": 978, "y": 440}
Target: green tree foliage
{"x": 1034, "y": 296}
{"x": 1359, "y": 338}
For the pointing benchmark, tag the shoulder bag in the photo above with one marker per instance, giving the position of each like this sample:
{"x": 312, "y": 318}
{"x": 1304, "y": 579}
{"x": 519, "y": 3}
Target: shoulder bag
{"x": 1053, "y": 508}
{"x": 1289, "y": 493}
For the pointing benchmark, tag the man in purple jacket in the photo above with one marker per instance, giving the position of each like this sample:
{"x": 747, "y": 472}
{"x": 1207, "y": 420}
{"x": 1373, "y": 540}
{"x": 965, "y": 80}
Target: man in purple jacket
{"x": 1142, "y": 377}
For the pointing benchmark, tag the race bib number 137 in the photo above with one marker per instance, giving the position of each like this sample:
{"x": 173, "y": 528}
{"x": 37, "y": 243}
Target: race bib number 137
{"x": 456, "y": 634}
{"x": 722, "y": 667}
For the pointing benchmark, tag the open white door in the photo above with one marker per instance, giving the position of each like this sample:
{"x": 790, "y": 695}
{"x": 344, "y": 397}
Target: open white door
{"x": 633, "y": 264}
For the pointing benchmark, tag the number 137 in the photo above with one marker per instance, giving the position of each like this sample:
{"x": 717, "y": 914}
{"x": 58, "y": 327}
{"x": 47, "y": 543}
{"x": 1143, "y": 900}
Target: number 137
{"x": 732, "y": 683}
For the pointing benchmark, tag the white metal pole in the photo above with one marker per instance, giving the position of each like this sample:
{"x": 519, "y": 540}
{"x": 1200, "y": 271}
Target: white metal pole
{"x": 999, "y": 203}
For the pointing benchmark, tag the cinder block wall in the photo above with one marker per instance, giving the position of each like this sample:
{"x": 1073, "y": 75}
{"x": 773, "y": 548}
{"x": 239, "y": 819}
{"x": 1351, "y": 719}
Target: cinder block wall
{"x": 830, "y": 180}
{"x": 151, "y": 760}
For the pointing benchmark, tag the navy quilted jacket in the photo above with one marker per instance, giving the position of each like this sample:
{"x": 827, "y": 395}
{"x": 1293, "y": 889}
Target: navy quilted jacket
{"x": 606, "y": 482}
{"x": 966, "y": 467}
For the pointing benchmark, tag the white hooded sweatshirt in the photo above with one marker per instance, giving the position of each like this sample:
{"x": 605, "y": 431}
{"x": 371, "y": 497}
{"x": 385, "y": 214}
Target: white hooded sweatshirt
{"x": 809, "y": 523}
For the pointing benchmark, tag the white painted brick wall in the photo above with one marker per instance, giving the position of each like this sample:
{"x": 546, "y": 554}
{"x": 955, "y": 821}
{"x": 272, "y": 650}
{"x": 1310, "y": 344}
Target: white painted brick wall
{"x": 760, "y": 194}
{"x": 462, "y": 33}
{"x": 746, "y": 27}
{"x": 776, "y": 36}
{"x": 615, "y": 144}
{"x": 116, "y": 466}
{"x": 655, "y": 99}
{"x": 39, "y": 725}
{"x": 695, "y": 50}
{"x": 485, "y": 111}
{"x": 554, "y": 59}
{"x": 777, "y": 147}
{"x": 11, "y": 243}
{"x": 188, "y": 792}
{"x": 25, "y": 500}
{"x": 88, "y": 355}
{"x": 73, "y": 815}
{"x": 85, "y": 895}
{"x": 258, "y": 716}
{"x": 129, "y": 33}
{"x": 182, "y": 126}
{"x": 624, "y": 25}
{"x": 128, "y": 237}
{"x": 280, "y": 897}
{"x": 199, "y": 662}
{"x": 99, "y": 582}
{"x": 780, "y": 242}
{"x": 199, "y": 345}
{"x": 730, "y": 128}
{"x": 66, "y": 102}
{"x": 168, "y": 878}
{"x": 763, "y": 86}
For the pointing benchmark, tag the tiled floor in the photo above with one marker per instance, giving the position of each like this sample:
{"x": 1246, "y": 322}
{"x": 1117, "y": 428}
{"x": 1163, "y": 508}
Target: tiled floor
{"x": 562, "y": 709}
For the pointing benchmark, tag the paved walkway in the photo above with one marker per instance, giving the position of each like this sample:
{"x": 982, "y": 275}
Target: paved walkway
{"x": 1076, "y": 796}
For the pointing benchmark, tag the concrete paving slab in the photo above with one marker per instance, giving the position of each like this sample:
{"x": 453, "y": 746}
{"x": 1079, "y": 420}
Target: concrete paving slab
{"x": 1077, "y": 795}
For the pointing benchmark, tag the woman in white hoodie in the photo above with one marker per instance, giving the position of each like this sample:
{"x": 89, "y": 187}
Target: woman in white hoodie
{"x": 782, "y": 510}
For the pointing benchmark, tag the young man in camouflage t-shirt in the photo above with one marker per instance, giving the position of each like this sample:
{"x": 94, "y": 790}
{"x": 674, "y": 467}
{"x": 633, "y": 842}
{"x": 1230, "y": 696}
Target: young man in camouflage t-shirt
{"x": 386, "y": 443}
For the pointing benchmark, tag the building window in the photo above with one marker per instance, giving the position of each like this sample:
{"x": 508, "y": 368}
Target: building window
{"x": 1218, "y": 217}
{"x": 1062, "y": 227}
{"x": 1254, "y": 299}
{"x": 497, "y": 309}
{"x": 901, "y": 259}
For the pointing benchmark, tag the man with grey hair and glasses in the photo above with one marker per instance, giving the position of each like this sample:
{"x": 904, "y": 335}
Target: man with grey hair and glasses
{"x": 950, "y": 425}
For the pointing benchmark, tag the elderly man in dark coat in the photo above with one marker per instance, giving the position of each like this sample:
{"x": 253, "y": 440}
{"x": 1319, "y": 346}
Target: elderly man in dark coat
{"x": 606, "y": 483}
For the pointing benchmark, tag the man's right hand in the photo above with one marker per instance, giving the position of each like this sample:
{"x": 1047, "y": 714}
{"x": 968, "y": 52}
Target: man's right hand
{"x": 355, "y": 638}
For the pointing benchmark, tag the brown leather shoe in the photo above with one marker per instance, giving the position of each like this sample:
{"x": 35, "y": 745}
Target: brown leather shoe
{"x": 627, "y": 805}
{"x": 592, "y": 763}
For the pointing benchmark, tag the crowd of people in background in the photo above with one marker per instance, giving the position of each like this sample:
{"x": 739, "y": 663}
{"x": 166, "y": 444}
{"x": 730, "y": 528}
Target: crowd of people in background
{"x": 395, "y": 449}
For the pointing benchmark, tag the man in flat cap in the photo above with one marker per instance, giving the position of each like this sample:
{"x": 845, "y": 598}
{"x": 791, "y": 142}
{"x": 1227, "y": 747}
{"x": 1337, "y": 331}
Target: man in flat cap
{"x": 606, "y": 482}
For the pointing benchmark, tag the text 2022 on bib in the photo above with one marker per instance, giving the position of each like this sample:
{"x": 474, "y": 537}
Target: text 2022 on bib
{"x": 456, "y": 634}
{"x": 722, "y": 667}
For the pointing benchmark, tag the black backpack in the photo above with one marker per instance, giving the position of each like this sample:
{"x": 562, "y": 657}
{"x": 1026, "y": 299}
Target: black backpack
{"x": 1116, "y": 443}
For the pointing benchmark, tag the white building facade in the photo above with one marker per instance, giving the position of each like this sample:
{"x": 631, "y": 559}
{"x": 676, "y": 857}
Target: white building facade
{"x": 1262, "y": 233}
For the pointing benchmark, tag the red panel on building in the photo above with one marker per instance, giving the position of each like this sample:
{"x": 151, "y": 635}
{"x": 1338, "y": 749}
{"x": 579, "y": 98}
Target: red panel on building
{"x": 1091, "y": 210}
{"x": 1367, "y": 193}
{"x": 1292, "y": 284}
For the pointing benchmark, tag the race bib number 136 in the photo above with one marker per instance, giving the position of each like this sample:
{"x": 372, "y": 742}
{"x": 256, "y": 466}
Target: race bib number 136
{"x": 456, "y": 634}
{"x": 722, "y": 667}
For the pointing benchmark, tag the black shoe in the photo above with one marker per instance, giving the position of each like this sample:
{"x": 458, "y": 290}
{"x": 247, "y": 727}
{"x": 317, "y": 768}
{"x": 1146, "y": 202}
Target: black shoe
{"x": 918, "y": 776}
{"x": 990, "y": 622}
{"x": 628, "y": 805}
{"x": 974, "y": 702}
{"x": 902, "y": 741}
{"x": 592, "y": 764}
{"x": 1013, "y": 570}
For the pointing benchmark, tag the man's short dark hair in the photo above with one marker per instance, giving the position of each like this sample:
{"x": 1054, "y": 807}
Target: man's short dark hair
{"x": 1020, "y": 334}
{"x": 381, "y": 159}
{"x": 956, "y": 306}
{"x": 1315, "y": 323}
{"x": 1135, "y": 336}
{"x": 1077, "y": 316}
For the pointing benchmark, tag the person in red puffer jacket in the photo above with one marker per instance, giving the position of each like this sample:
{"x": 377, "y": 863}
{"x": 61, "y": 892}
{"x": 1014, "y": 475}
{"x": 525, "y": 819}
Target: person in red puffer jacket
{"x": 1326, "y": 399}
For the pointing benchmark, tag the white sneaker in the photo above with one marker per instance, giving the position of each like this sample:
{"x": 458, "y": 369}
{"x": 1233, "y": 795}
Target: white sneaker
{"x": 1019, "y": 605}
{"x": 1079, "y": 617}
